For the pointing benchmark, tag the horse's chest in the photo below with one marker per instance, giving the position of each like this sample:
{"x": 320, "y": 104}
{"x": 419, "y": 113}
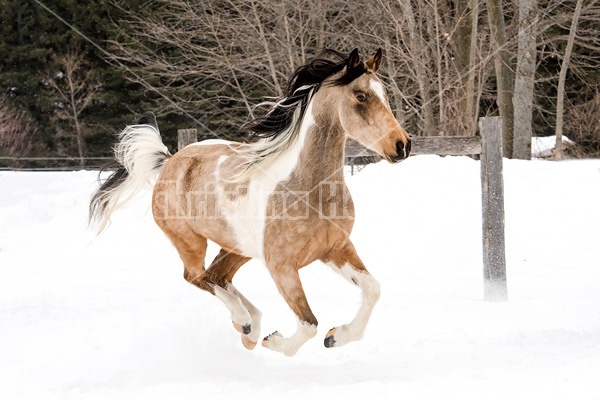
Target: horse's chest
{"x": 285, "y": 220}
{"x": 245, "y": 213}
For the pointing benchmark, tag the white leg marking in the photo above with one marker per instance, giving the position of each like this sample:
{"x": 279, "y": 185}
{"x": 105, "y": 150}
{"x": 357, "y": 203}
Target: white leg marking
{"x": 239, "y": 313}
{"x": 370, "y": 295}
{"x": 289, "y": 346}
{"x": 255, "y": 315}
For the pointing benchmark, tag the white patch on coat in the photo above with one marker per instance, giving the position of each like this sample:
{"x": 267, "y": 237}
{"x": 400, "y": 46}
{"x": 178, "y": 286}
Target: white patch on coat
{"x": 290, "y": 346}
{"x": 377, "y": 87}
{"x": 246, "y": 213}
{"x": 370, "y": 295}
{"x": 239, "y": 313}
{"x": 212, "y": 142}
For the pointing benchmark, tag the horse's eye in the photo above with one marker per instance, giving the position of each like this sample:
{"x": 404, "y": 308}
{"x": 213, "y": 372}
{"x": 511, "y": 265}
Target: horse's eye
{"x": 361, "y": 97}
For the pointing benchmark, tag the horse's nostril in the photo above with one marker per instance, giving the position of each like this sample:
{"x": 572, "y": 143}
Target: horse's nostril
{"x": 402, "y": 149}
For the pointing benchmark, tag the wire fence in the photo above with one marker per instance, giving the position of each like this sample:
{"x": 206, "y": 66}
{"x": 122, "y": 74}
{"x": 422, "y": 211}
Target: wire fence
{"x": 52, "y": 163}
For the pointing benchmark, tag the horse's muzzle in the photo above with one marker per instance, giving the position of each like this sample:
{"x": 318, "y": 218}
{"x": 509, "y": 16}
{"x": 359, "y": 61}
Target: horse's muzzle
{"x": 402, "y": 151}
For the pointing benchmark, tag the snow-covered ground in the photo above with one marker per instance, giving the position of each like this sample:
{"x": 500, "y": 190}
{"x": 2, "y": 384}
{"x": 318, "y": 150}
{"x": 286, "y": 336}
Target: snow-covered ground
{"x": 543, "y": 146}
{"x": 112, "y": 318}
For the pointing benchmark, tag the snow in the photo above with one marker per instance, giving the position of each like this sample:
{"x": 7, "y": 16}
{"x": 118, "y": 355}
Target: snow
{"x": 110, "y": 317}
{"x": 543, "y": 146}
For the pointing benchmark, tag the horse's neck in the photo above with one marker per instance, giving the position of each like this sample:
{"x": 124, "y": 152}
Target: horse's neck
{"x": 322, "y": 158}
{"x": 316, "y": 156}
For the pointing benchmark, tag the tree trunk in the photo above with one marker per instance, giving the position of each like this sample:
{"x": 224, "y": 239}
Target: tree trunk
{"x": 465, "y": 45}
{"x": 472, "y": 105}
{"x": 417, "y": 48}
{"x": 524, "y": 79}
{"x": 560, "y": 95}
{"x": 462, "y": 44}
{"x": 70, "y": 68}
{"x": 435, "y": 32}
{"x": 397, "y": 105}
{"x": 504, "y": 74}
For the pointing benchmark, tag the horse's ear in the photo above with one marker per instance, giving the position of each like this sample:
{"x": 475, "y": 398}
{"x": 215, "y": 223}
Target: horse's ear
{"x": 353, "y": 59}
{"x": 375, "y": 61}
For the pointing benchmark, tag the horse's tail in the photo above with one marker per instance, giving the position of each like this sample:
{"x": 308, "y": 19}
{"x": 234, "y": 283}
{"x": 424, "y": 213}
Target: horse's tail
{"x": 140, "y": 155}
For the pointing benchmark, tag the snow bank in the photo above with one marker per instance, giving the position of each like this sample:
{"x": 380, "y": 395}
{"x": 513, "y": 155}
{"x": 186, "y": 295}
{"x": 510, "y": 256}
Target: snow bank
{"x": 112, "y": 318}
{"x": 543, "y": 146}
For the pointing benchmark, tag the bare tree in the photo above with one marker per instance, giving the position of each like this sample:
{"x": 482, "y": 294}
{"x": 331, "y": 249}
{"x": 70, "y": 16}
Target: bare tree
{"x": 504, "y": 72}
{"x": 524, "y": 79}
{"x": 555, "y": 31}
{"x": 465, "y": 44}
{"x": 436, "y": 61}
{"x": 215, "y": 60}
{"x": 75, "y": 87}
{"x": 560, "y": 95}
{"x": 16, "y": 130}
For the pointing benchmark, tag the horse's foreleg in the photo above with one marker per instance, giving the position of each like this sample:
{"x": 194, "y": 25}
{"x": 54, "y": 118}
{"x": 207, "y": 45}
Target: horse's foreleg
{"x": 349, "y": 265}
{"x": 290, "y": 287}
{"x": 244, "y": 315}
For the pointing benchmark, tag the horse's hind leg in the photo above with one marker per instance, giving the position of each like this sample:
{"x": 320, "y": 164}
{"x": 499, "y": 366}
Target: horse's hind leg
{"x": 217, "y": 280}
{"x": 347, "y": 263}
{"x": 244, "y": 315}
{"x": 192, "y": 251}
{"x": 290, "y": 287}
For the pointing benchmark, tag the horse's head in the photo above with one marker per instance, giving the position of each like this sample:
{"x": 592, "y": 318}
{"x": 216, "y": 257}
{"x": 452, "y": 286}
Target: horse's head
{"x": 364, "y": 109}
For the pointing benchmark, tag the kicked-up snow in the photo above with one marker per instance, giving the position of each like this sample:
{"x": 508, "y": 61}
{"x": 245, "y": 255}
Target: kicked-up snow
{"x": 111, "y": 317}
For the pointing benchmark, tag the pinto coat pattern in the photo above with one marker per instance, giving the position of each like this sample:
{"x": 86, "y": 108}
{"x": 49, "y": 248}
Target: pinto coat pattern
{"x": 280, "y": 198}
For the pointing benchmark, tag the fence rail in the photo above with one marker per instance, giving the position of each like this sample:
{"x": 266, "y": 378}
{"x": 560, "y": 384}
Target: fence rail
{"x": 51, "y": 163}
{"x": 441, "y": 145}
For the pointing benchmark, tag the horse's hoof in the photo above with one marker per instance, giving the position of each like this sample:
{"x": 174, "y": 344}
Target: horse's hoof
{"x": 268, "y": 337}
{"x": 250, "y": 345}
{"x": 329, "y": 339}
{"x": 245, "y": 330}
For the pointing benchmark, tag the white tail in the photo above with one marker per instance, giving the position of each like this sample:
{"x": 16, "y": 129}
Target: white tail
{"x": 140, "y": 154}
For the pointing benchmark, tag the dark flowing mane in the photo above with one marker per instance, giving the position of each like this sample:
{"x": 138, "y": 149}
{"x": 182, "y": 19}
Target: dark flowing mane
{"x": 303, "y": 82}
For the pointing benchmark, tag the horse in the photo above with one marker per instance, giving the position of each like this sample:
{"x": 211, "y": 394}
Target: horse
{"x": 279, "y": 197}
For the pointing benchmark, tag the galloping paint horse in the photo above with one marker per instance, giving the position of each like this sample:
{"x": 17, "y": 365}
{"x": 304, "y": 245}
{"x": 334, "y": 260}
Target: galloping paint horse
{"x": 280, "y": 198}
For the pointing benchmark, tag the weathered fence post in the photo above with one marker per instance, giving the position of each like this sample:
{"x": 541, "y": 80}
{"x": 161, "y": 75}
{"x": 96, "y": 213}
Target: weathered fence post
{"x": 492, "y": 196}
{"x": 185, "y": 137}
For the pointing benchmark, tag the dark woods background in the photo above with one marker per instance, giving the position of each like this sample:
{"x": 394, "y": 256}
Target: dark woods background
{"x": 215, "y": 59}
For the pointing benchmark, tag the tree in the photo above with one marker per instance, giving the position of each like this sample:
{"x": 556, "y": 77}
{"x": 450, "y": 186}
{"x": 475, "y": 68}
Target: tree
{"x": 216, "y": 60}
{"x": 581, "y": 80}
{"x": 30, "y": 39}
{"x": 208, "y": 63}
{"x": 436, "y": 61}
{"x": 560, "y": 96}
{"x": 504, "y": 73}
{"x": 16, "y": 130}
{"x": 524, "y": 80}
{"x": 76, "y": 87}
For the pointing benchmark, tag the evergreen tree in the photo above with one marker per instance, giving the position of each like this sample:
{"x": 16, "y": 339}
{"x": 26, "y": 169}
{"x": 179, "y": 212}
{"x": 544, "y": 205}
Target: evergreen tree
{"x": 32, "y": 40}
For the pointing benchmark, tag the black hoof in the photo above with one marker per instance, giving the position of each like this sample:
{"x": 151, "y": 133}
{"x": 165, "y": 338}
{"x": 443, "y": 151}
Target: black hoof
{"x": 246, "y": 329}
{"x": 329, "y": 341}
{"x": 272, "y": 334}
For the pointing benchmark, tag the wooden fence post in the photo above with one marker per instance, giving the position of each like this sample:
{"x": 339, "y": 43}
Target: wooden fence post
{"x": 185, "y": 137}
{"x": 492, "y": 196}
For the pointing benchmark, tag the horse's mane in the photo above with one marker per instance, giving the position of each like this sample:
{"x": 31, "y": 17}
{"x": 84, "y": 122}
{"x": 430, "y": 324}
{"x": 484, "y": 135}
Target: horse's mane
{"x": 276, "y": 131}
{"x": 298, "y": 91}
